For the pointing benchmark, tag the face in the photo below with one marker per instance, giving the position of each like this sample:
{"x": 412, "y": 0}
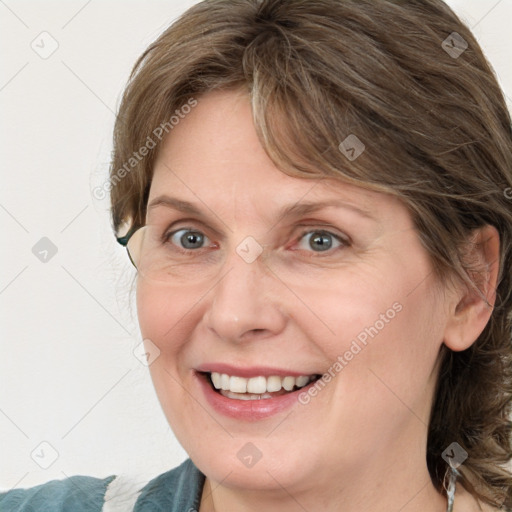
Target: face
{"x": 274, "y": 276}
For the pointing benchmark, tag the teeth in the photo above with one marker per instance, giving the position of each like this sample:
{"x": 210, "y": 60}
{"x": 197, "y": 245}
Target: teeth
{"x": 301, "y": 381}
{"x": 273, "y": 384}
{"x": 238, "y": 385}
{"x": 288, "y": 383}
{"x": 245, "y": 396}
{"x": 257, "y": 385}
{"x": 217, "y": 381}
{"x": 224, "y": 382}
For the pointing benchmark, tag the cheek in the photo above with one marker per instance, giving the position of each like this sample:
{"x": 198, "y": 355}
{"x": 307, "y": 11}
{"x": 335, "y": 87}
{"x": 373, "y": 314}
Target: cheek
{"x": 387, "y": 362}
{"x": 164, "y": 315}
{"x": 152, "y": 312}
{"x": 348, "y": 308}
{"x": 164, "y": 312}
{"x": 381, "y": 331}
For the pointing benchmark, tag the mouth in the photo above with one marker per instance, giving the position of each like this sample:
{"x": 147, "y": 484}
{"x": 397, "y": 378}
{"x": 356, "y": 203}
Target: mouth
{"x": 258, "y": 387}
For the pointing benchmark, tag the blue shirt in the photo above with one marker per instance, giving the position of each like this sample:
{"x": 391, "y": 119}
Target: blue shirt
{"x": 178, "y": 490}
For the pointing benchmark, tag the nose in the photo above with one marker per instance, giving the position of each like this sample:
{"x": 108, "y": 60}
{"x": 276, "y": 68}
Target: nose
{"x": 246, "y": 303}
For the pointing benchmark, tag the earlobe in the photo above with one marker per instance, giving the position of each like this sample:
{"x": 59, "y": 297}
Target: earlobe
{"x": 471, "y": 309}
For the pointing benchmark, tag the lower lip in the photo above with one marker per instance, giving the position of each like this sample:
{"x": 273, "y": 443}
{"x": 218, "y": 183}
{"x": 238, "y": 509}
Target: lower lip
{"x": 249, "y": 410}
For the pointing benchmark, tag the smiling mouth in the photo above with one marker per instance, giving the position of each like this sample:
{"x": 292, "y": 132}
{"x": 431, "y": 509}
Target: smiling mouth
{"x": 256, "y": 388}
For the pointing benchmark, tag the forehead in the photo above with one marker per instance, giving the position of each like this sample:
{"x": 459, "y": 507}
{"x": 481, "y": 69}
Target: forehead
{"x": 214, "y": 156}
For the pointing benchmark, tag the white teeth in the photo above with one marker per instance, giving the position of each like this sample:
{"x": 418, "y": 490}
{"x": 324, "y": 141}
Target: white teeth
{"x": 224, "y": 382}
{"x": 257, "y": 386}
{"x": 288, "y": 383}
{"x": 237, "y": 384}
{"x": 273, "y": 384}
{"x": 216, "y": 379}
{"x": 245, "y": 396}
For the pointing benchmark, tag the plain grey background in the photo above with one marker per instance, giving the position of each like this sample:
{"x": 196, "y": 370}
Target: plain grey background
{"x": 74, "y": 398}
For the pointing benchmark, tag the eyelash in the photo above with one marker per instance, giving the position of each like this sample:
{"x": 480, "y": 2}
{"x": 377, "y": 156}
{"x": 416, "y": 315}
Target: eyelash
{"x": 344, "y": 243}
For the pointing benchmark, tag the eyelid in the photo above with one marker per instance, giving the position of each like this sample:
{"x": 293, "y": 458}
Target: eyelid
{"x": 315, "y": 224}
{"x": 193, "y": 225}
{"x": 343, "y": 240}
{"x": 326, "y": 228}
{"x": 170, "y": 233}
{"x": 176, "y": 226}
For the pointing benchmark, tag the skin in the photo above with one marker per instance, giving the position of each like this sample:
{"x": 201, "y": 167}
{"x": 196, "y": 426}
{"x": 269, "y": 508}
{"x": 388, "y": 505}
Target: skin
{"x": 358, "y": 445}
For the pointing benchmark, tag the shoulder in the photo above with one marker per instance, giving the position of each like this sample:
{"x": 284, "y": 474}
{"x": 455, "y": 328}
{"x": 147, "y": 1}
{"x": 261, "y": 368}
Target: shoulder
{"x": 77, "y": 493}
{"x": 178, "y": 490}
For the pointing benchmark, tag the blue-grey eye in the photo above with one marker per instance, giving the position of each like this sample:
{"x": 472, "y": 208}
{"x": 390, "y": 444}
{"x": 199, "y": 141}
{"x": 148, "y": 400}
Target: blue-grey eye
{"x": 189, "y": 239}
{"x": 319, "y": 241}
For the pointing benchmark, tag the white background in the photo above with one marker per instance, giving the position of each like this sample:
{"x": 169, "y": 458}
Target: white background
{"x": 68, "y": 376}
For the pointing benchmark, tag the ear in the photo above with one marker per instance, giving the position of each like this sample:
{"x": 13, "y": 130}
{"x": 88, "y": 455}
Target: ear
{"x": 470, "y": 310}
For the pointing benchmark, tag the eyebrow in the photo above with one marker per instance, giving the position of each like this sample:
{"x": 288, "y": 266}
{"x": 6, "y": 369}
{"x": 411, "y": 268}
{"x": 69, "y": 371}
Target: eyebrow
{"x": 291, "y": 211}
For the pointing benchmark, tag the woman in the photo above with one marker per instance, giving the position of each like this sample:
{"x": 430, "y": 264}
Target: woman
{"x": 316, "y": 196}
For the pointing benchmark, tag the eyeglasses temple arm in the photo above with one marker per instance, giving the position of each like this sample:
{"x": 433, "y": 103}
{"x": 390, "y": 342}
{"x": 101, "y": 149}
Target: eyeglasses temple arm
{"x": 123, "y": 240}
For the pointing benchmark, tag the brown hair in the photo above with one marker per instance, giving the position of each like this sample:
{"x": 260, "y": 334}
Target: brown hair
{"x": 436, "y": 131}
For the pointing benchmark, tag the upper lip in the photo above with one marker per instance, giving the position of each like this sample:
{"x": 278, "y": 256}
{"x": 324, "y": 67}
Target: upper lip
{"x": 250, "y": 371}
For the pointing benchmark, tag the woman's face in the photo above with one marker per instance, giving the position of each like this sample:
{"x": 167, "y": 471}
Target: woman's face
{"x": 292, "y": 277}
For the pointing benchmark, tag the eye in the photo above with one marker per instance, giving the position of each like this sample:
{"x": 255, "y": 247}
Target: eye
{"x": 187, "y": 238}
{"x": 320, "y": 241}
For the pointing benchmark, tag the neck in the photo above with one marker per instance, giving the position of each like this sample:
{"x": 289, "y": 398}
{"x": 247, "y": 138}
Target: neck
{"x": 401, "y": 489}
